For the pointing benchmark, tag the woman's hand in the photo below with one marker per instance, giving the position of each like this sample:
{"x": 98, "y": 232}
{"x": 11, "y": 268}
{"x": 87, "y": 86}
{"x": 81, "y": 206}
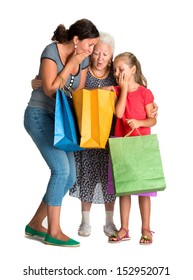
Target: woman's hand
{"x": 76, "y": 59}
{"x": 154, "y": 111}
{"x": 36, "y": 83}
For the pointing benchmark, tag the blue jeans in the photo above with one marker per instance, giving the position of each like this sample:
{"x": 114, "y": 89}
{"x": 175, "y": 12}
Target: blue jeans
{"x": 39, "y": 123}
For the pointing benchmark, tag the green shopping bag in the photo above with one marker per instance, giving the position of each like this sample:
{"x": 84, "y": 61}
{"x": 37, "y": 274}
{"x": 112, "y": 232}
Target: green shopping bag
{"x": 136, "y": 164}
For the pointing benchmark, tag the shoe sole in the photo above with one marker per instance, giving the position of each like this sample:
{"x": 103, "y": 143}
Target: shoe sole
{"x": 34, "y": 235}
{"x": 118, "y": 241}
{"x": 48, "y": 243}
{"x": 84, "y": 235}
{"x": 148, "y": 243}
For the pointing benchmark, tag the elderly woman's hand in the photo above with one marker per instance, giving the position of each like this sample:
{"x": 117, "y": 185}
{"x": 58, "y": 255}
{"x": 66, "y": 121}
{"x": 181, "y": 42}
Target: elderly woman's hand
{"x": 36, "y": 83}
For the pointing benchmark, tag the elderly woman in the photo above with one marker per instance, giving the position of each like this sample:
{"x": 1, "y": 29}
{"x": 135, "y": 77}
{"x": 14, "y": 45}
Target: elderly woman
{"x": 92, "y": 164}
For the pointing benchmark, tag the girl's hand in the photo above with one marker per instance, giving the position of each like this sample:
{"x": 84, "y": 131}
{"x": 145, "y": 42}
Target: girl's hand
{"x": 133, "y": 123}
{"x": 36, "y": 83}
{"x": 123, "y": 81}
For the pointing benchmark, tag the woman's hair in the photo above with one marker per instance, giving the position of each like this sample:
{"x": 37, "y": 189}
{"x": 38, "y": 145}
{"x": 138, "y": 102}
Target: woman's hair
{"x": 82, "y": 28}
{"x": 107, "y": 39}
{"x": 131, "y": 60}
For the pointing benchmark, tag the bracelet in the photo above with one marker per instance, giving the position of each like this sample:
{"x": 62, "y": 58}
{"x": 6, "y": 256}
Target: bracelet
{"x": 68, "y": 88}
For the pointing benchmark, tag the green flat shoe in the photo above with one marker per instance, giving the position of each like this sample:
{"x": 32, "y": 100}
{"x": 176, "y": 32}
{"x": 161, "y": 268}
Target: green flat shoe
{"x": 54, "y": 241}
{"x": 31, "y": 232}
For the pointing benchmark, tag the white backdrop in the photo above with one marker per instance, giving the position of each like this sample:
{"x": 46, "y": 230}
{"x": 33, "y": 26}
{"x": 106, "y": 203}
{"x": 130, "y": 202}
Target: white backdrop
{"x": 159, "y": 33}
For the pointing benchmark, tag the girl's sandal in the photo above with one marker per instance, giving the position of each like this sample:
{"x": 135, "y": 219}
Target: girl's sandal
{"x": 146, "y": 240}
{"x": 116, "y": 238}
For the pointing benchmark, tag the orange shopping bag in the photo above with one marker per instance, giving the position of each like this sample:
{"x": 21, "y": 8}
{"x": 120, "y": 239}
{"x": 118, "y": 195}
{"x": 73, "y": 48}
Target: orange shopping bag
{"x": 94, "y": 110}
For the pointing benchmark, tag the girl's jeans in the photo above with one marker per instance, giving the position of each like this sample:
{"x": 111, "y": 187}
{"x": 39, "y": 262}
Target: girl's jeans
{"x": 39, "y": 123}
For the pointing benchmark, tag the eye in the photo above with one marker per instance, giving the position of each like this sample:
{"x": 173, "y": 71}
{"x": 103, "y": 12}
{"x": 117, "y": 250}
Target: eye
{"x": 91, "y": 45}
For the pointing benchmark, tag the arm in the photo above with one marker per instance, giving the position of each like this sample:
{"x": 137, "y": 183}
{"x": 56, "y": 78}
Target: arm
{"x": 148, "y": 122}
{"x": 111, "y": 88}
{"x": 51, "y": 81}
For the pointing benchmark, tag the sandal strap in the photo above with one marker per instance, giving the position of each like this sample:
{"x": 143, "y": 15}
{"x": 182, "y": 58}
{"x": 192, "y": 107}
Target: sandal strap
{"x": 125, "y": 230}
{"x": 115, "y": 236}
{"x": 118, "y": 238}
{"x": 146, "y": 238}
{"x": 150, "y": 231}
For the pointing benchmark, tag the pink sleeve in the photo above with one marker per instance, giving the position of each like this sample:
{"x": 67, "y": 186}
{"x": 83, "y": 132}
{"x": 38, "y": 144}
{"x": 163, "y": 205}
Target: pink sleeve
{"x": 149, "y": 98}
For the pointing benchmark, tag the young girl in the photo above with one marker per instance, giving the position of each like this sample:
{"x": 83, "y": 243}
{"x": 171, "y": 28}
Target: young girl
{"x": 133, "y": 106}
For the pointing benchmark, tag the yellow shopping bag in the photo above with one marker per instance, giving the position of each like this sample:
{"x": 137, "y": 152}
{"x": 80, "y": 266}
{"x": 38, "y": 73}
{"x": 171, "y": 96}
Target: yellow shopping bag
{"x": 94, "y": 110}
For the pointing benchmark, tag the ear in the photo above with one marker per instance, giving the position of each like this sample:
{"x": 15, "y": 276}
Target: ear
{"x": 110, "y": 62}
{"x": 75, "y": 40}
{"x": 133, "y": 69}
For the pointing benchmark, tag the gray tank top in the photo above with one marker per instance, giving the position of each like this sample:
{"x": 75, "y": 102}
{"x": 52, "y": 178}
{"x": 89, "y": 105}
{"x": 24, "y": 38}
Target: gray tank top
{"x": 38, "y": 97}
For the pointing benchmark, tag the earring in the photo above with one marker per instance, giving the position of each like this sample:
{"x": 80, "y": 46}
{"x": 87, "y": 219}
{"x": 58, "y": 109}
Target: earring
{"x": 75, "y": 47}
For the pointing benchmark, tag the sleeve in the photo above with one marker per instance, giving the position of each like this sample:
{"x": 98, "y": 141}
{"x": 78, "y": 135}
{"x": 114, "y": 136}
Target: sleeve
{"x": 49, "y": 53}
{"x": 148, "y": 98}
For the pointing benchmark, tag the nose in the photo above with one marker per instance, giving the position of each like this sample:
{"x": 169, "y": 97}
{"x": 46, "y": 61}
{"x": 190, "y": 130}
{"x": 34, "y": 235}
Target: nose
{"x": 91, "y": 49}
{"x": 100, "y": 56}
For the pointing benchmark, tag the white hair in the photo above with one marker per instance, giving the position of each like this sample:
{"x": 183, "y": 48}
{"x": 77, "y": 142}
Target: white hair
{"x": 107, "y": 39}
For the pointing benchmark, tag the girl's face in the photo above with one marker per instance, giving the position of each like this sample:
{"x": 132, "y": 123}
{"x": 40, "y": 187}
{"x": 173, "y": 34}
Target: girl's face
{"x": 120, "y": 67}
{"x": 101, "y": 56}
{"x": 86, "y": 45}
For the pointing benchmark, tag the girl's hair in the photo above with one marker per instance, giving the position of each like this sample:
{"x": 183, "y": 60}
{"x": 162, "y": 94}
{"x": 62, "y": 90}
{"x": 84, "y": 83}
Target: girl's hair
{"x": 107, "y": 39}
{"x": 131, "y": 60}
{"x": 82, "y": 28}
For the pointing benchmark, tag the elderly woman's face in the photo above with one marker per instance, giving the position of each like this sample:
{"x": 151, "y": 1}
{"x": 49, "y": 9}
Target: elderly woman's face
{"x": 101, "y": 56}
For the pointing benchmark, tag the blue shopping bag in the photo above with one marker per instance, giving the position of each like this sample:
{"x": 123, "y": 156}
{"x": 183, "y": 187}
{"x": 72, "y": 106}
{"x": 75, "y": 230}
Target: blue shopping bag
{"x": 66, "y": 134}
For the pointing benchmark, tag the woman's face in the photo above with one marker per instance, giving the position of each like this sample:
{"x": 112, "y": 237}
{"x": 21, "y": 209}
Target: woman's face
{"x": 86, "y": 45}
{"x": 101, "y": 56}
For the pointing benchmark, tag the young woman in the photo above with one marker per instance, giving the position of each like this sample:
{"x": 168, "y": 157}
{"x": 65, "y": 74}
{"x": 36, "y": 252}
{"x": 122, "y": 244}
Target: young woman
{"x": 66, "y": 59}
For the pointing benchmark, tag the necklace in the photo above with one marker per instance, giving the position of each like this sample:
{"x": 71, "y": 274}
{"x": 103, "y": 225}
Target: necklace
{"x": 99, "y": 77}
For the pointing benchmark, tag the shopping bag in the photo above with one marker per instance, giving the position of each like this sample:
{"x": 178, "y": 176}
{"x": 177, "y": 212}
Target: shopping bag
{"x": 66, "y": 135}
{"x": 94, "y": 110}
{"x": 111, "y": 188}
{"x": 136, "y": 164}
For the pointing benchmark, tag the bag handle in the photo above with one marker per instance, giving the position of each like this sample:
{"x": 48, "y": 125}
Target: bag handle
{"x": 69, "y": 89}
{"x": 128, "y": 134}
